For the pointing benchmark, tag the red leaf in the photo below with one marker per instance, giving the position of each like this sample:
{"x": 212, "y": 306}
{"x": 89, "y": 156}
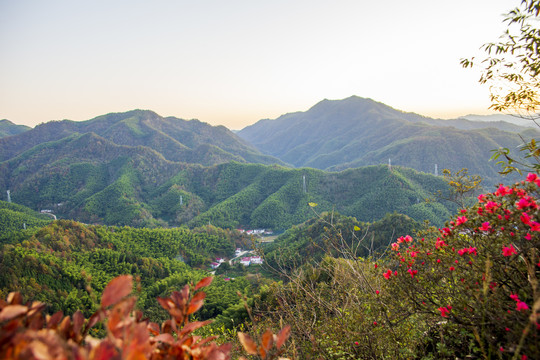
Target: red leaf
{"x": 248, "y": 344}
{"x": 14, "y": 298}
{"x": 192, "y": 326}
{"x": 94, "y": 319}
{"x": 78, "y": 321}
{"x": 12, "y": 311}
{"x": 54, "y": 320}
{"x": 153, "y": 328}
{"x": 117, "y": 289}
{"x": 199, "y": 296}
{"x": 204, "y": 282}
{"x": 194, "y": 306}
{"x": 267, "y": 340}
{"x": 283, "y": 335}
{"x": 165, "y": 338}
{"x": 105, "y": 351}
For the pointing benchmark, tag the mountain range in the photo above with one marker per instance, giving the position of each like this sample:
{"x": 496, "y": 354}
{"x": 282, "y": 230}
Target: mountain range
{"x": 138, "y": 168}
{"x": 338, "y": 134}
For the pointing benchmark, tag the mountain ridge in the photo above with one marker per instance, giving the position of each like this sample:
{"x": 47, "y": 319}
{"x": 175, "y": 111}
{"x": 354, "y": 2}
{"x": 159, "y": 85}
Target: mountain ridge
{"x": 337, "y": 134}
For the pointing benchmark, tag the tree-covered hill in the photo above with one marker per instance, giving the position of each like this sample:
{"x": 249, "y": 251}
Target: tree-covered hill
{"x": 14, "y": 217}
{"x": 353, "y": 132}
{"x": 67, "y": 265}
{"x": 176, "y": 139}
{"x": 333, "y": 234}
{"x": 7, "y": 128}
{"x": 91, "y": 179}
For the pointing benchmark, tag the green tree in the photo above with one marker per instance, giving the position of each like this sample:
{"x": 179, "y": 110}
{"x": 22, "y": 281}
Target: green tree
{"x": 511, "y": 71}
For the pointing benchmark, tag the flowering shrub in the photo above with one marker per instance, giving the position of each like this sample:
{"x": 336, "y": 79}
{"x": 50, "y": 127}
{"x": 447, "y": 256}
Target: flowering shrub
{"x": 479, "y": 274}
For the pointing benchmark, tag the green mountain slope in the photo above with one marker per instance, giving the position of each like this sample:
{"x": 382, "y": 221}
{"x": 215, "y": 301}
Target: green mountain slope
{"x": 353, "y": 132}
{"x": 176, "y": 139}
{"x": 91, "y": 179}
{"x": 14, "y": 217}
{"x": 7, "y": 128}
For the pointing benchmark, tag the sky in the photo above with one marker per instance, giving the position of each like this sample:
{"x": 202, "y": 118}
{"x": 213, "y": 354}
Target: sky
{"x": 235, "y": 62}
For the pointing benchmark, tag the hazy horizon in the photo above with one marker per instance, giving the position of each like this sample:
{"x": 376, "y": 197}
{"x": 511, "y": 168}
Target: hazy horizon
{"x": 238, "y": 62}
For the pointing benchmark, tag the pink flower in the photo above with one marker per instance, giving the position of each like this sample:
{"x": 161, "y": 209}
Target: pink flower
{"x": 534, "y": 226}
{"x": 509, "y": 250}
{"x": 445, "y": 231}
{"x": 503, "y": 190}
{"x": 377, "y": 292}
{"x": 485, "y": 226}
{"x": 440, "y": 243}
{"x": 521, "y": 305}
{"x": 531, "y": 177}
{"x": 387, "y": 274}
{"x": 528, "y": 236}
{"x": 514, "y": 297}
{"x": 412, "y": 272}
{"x": 395, "y": 246}
{"x": 491, "y": 206}
{"x": 525, "y": 202}
{"x": 461, "y": 220}
{"x": 481, "y": 198}
{"x": 525, "y": 218}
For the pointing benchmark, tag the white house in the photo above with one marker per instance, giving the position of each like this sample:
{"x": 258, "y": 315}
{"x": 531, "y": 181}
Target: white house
{"x": 256, "y": 260}
{"x": 246, "y": 261}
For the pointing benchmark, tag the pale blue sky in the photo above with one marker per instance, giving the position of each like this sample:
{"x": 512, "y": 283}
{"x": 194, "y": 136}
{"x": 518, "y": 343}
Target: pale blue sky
{"x": 235, "y": 62}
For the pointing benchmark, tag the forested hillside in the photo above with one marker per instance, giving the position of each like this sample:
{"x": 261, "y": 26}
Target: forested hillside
{"x": 340, "y": 134}
{"x": 67, "y": 265}
{"x": 88, "y": 178}
{"x": 175, "y": 139}
{"x": 7, "y": 128}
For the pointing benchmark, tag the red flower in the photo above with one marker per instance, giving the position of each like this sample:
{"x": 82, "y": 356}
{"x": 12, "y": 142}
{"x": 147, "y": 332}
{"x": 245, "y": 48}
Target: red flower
{"x": 481, "y": 198}
{"x": 444, "y": 311}
{"x": 503, "y": 190}
{"x": 440, "y": 243}
{"x": 395, "y": 246}
{"x": 387, "y": 274}
{"x": 377, "y": 292}
{"x": 528, "y": 236}
{"x": 485, "y": 226}
{"x": 461, "y": 220}
{"x": 509, "y": 250}
{"x": 412, "y": 272}
{"x": 525, "y": 218}
{"x": 525, "y": 202}
{"x": 531, "y": 177}
{"x": 452, "y": 268}
{"x": 375, "y": 323}
{"x": 521, "y": 305}
{"x": 534, "y": 226}
{"x": 491, "y": 206}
